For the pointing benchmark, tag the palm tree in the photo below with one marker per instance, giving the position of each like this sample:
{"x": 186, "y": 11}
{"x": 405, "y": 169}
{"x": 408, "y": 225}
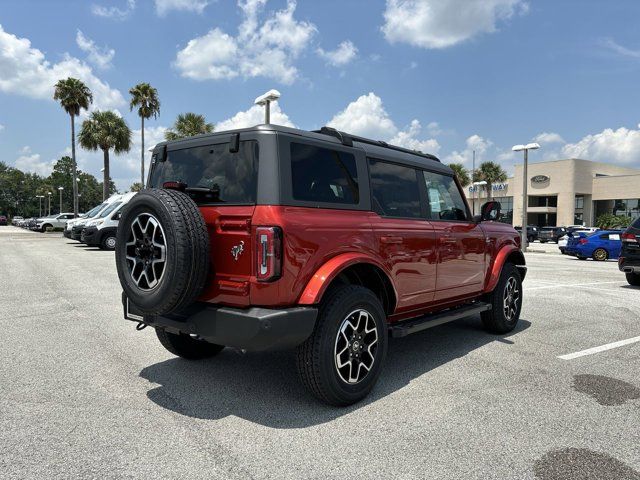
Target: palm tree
{"x": 491, "y": 173}
{"x": 187, "y": 125}
{"x": 461, "y": 173}
{"x": 104, "y": 131}
{"x": 73, "y": 96}
{"x": 145, "y": 97}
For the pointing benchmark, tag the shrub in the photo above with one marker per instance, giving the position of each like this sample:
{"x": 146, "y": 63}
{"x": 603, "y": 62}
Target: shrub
{"x": 608, "y": 221}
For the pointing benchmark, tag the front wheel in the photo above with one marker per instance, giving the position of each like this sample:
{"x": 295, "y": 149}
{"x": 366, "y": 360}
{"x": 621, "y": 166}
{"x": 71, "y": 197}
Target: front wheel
{"x": 506, "y": 302}
{"x": 186, "y": 346}
{"x": 633, "y": 279}
{"x": 342, "y": 359}
{"x": 108, "y": 242}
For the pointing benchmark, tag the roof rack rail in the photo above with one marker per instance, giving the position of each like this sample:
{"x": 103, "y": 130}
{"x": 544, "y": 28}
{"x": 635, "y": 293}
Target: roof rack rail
{"x": 348, "y": 139}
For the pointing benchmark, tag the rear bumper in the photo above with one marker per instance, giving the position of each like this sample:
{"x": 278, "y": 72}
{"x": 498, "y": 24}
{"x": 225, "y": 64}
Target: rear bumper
{"x": 629, "y": 264}
{"x": 253, "y": 329}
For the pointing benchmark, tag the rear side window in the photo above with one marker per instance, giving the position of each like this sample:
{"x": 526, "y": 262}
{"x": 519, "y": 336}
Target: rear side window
{"x": 323, "y": 175}
{"x": 636, "y": 224}
{"x": 214, "y": 174}
{"x": 445, "y": 200}
{"x": 395, "y": 190}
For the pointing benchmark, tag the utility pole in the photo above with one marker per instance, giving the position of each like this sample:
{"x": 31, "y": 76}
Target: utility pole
{"x": 473, "y": 179}
{"x": 525, "y": 197}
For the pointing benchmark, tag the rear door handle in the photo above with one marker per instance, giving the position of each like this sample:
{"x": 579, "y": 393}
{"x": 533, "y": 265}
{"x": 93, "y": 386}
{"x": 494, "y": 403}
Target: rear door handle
{"x": 391, "y": 240}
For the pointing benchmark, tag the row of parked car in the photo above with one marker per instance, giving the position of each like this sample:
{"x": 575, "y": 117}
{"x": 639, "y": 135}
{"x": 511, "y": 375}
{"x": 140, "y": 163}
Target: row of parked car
{"x": 96, "y": 228}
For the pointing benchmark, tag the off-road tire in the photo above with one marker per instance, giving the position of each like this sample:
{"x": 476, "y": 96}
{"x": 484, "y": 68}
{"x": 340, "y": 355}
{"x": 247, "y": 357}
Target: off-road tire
{"x": 187, "y": 347}
{"x": 633, "y": 279}
{"x": 187, "y": 251}
{"x": 600, "y": 257}
{"x": 105, "y": 243}
{"x": 315, "y": 358}
{"x": 495, "y": 319}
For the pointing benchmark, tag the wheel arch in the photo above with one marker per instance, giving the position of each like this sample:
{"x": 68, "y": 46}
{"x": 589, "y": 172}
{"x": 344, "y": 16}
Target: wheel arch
{"x": 507, "y": 254}
{"x": 351, "y": 269}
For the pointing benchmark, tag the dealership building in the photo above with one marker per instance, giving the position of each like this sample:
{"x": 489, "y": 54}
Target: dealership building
{"x": 564, "y": 192}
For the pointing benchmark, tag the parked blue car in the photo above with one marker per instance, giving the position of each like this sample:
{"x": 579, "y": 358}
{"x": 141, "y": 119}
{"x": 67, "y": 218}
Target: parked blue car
{"x": 601, "y": 245}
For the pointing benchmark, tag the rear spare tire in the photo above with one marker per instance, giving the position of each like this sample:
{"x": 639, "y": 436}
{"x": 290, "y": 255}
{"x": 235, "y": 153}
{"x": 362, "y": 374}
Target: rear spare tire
{"x": 162, "y": 251}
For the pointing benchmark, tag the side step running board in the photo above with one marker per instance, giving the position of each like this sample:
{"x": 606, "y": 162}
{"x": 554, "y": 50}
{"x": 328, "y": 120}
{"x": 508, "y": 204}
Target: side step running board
{"x": 402, "y": 329}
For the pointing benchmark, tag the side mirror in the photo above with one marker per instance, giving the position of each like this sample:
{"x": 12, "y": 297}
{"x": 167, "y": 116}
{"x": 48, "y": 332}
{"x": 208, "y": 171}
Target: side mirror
{"x": 490, "y": 212}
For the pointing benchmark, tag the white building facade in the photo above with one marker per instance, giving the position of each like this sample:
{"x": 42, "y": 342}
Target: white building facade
{"x": 564, "y": 192}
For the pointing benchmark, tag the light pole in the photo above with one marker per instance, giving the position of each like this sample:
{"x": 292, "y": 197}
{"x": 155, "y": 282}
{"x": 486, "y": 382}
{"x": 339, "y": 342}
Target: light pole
{"x": 49, "y": 209}
{"x": 476, "y": 186}
{"x": 525, "y": 182}
{"x": 40, "y": 197}
{"x": 60, "y": 189}
{"x": 102, "y": 171}
{"x": 265, "y": 100}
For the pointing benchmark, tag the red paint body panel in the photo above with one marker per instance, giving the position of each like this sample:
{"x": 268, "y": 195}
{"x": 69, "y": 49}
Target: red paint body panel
{"x": 431, "y": 265}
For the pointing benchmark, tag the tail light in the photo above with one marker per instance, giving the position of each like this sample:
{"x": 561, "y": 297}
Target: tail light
{"x": 629, "y": 237}
{"x": 583, "y": 241}
{"x": 268, "y": 253}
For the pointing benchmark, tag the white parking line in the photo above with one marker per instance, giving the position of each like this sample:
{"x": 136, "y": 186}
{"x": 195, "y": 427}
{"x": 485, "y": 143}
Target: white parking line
{"x": 602, "y": 348}
{"x": 571, "y": 285}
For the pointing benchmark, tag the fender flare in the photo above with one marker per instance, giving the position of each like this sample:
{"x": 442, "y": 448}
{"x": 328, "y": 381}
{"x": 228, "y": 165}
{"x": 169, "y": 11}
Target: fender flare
{"x": 322, "y": 278}
{"x": 496, "y": 269}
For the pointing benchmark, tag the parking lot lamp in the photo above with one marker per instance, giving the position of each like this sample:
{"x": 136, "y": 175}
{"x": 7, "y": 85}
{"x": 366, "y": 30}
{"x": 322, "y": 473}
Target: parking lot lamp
{"x": 60, "y": 189}
{"x": 476, "y": 186}
{"x": 49, "y": 209}
{"x": 525, "y": 149}
{"x": 265, "y": 100}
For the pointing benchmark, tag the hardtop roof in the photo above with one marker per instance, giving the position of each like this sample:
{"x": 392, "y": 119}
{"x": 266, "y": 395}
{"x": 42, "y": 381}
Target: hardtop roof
{"x": 372, "y": 148}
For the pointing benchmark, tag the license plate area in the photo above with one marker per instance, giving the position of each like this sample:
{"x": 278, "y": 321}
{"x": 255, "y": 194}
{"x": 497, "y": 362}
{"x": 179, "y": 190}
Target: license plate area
{"x": 131, "y": 312}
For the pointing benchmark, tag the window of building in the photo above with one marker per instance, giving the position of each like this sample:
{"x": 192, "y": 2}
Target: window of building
{"x": 323, "y": 175}
{"x": 395, "y": 190}
{"x": 445, "y": 200}
{"x": 579, "y": 201}
{"x": 621, "y": 207}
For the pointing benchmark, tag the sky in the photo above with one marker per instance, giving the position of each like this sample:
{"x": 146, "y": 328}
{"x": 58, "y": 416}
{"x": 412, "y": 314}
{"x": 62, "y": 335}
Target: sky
{"x": 443, "y": 76}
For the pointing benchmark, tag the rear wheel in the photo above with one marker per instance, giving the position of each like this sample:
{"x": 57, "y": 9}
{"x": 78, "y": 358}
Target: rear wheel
{"x": 506, "y": 302}
{"x": 342, "y": 359}
{"x": 633, "y": 279}
{"x": 600, "y": 254}
{"x": 186, "y": 346}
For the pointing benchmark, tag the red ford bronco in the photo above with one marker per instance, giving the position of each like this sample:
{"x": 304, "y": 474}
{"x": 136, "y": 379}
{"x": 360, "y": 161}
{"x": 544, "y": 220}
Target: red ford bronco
{"x": 273, "y": 238}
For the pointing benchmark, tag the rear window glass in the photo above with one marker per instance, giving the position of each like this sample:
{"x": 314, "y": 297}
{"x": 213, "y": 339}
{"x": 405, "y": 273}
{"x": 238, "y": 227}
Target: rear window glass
{"x": 323, "y": 175}
{"x": 636, "y": 224}
{"x": 215, "y": 174}
{"x": 395, "y": 190}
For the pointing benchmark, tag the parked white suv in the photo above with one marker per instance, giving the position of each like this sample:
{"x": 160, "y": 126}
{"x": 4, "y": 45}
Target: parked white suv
{"x": 54, "y": 221}
{"x": 79, "y": 223}
{"x": 101, "y": 230}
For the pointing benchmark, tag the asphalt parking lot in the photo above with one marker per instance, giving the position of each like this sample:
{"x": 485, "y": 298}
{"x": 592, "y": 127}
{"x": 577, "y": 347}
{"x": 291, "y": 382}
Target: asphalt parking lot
{"x": 84, "y": 395}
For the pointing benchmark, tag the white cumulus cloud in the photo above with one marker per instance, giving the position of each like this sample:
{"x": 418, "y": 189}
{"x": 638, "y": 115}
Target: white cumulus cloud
{"x": 262, "y": 48}
{"x": 621, "y": 146}
{"x": 437, "y": 24}
{"x": 255, "y": 116}
{"x": 342, "y": 55}
{"x": 367, "y": 117}
{"x": 473, "y": 143}
{"x": 113, "y": 12}
{"x": 101, "y": 57}
{"x": 164, "y": 6}
{"x": 24, "y": 70}
{"x": 1, "y": 127}
{"x": 31, "y": 162}
{"x": 547, "y": 138}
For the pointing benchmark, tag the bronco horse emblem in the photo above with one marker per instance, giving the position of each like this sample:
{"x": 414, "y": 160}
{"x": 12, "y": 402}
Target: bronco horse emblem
{"x": 237, "y": 250}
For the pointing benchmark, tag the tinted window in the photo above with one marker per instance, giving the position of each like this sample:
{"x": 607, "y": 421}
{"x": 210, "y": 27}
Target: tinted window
{"x": 323, "y": 175}
{"x": 395, "y": 190}
{"x": 445, "y": 200}
{"x": 636, "y": 224}
{"x": 109, "y": 209}
{"x": 221, "y": 176}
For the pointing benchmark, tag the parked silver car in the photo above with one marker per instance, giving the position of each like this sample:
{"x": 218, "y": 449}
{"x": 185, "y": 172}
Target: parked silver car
{"x": 54, "y": 221}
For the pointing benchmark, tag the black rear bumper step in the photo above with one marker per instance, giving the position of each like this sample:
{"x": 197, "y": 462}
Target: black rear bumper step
{"x": 402, "y": 329}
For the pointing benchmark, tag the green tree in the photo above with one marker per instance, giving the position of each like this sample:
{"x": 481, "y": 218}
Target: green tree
{"x": 105, "y": 131}
{"x": 73, "y": 96}
{"x": 492, "y": 173}
{"x": 136, "y": 187}
{"x": 608, "y": 221}
{"x": 462, "y": 174}
{"x": 187, "y": 125}
{"x": 145, "y": 97}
